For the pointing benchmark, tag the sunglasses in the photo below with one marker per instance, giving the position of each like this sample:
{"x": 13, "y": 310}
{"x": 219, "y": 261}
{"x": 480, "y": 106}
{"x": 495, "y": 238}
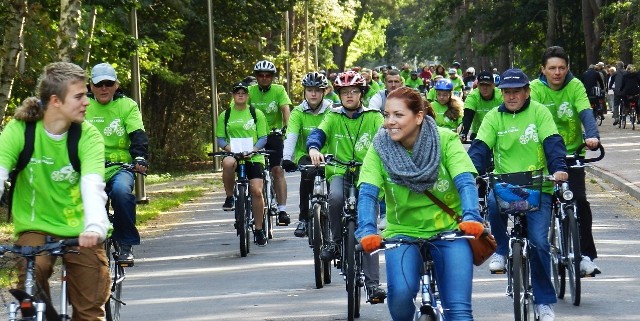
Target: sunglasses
{"x": 264, "y": 75}
{"x": 105, "y": 83}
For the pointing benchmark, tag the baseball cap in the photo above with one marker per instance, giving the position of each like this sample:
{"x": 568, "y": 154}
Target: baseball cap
{"x": 513, "y": 78}
{"x": 240, "y": 85}
{"x": 414, "y": 73}
{"x": 103, "y": 71}
{"x": 452, "y": 71}
{"x": 485, "y": 77}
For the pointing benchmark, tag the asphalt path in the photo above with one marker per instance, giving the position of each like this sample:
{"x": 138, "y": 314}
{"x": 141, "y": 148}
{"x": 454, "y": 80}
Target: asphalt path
{"x": 193, "y": 271}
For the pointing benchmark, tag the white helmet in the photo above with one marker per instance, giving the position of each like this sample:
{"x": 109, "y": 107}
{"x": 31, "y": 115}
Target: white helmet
{"x": 264, "y": 66}
{"x": 471, "y": 70}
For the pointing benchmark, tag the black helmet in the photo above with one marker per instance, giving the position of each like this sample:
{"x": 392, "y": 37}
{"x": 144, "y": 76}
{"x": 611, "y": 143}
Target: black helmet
{"x": 240, "y": 85}
{"x": 250, "y": 80}
{"x": 315, "y": 79}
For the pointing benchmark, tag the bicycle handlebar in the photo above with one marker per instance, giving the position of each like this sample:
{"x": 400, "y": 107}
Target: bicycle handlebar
{"x": 387, "y": 244}
{"x": 330, "y": 159}
{"x": 57, "y": 248}
{"x": 576, "y": 155}
{"x": 126, "y": 166}
{"x": 263, "y": 152}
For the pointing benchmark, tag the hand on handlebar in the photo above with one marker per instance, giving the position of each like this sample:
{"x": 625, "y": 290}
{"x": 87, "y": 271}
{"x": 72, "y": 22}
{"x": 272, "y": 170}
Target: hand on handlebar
{"x": 371, "y": 242}
{"x": 288, "y": 165}
{"x": 88, "y": 239}
{"x": 472, "y": 228}
{"x": 560, "y": 176}
{"x": 592, "y": 143}
{"x": 316, "y": 156}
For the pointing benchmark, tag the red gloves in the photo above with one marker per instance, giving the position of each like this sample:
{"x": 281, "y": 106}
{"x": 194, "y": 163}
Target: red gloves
{"x": 371, "y": 242}
{"x": 472, "y": 228}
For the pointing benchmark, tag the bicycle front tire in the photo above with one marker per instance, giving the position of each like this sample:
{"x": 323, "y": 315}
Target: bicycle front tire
{"x": 114, "y": 303}
{"x": 352, "y": 272}
{"x": 574, "y": 256}
{"x": 241, "y": 224}
{"x": 555, "y": 241}
{"x": 316, "y": 236}
{"x": 518, "y": 274}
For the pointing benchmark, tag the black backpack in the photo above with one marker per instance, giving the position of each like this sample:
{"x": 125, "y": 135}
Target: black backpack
{"x": 227, "y": 114}
{"x": 73, "y": 138}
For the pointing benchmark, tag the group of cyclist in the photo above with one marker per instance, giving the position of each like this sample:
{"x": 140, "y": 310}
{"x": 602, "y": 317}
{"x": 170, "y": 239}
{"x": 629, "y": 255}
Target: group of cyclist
{"x": 54, "y": 200}
{"x": 409, "y": 145}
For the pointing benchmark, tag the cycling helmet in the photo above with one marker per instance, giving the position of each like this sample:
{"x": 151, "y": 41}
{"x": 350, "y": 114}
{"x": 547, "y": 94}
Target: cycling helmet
{"x": 350, "y": 78}
{"x": 264, "y": 66}
{"x": 250, "y": 80}
{"x": 315, "y": 79}
{"x": 444, "y": 84}
{"x": 471, "y": 70}
{"x": 240, "y": 85}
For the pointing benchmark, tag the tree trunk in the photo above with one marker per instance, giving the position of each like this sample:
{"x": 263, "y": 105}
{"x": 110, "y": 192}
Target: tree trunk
{"x": 592, "y": 40}
{"x": 92, "y": 27}
{"x": 551, "y": 23}
{"x": 69, "y": 25}
{"x": 347, "y": 36}
{"x": 11, "y": 48}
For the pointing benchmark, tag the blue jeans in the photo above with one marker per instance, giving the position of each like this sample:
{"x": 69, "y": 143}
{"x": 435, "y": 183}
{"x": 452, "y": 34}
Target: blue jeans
{"x": 120, "y": 191}
{"x": 538, "y": 236}
{"x": 454, "y": 273}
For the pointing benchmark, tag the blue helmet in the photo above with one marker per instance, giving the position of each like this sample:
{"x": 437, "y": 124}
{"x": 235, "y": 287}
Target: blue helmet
{"x": 444, "y": 84}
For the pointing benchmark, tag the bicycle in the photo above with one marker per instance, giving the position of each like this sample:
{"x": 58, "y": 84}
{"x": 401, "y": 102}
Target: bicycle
{"x": 269, "y": 195}
{"x": 350, "y": 260}
{"x": 518, "y": 274}
{"x": 597, "y": 106}
{"x": 564, "y": 233}
{"x": 244, "y": 223}
{"x": 318, "y": 227}
{"x": 112, "y": 250}
{"x": 431, "y": 308}
{"x": 34, "y": 304}
{"x": 628, "y": 109}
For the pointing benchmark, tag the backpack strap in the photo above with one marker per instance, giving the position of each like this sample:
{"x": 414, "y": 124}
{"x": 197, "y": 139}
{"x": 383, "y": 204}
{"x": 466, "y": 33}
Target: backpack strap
{"x": 73, "y": 140}
{"x": 23, "y": 159}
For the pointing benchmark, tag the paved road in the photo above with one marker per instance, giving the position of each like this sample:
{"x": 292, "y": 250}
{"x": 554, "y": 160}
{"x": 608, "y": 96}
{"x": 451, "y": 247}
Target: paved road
{"x": 194, "y": 272}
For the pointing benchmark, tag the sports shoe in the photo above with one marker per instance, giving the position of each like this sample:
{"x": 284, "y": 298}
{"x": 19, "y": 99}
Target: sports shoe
{"x": 588, "y": 267}
{"x": 376, "y": 293}
{"x": 283, "y": 218}
{"x": 261, "y": 238}
{"x": 229, "y": 204}
{"x": 301, "y": 229}
{"x": 330, "y": 251}
{"x": 125, "y": 257}
{"x": 497, "y": 263}
{"x": 544, "y": 312}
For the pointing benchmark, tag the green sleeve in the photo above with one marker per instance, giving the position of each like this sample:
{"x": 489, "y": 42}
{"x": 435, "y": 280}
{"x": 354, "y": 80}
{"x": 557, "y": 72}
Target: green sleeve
{"x": 12, "y": 142}
{"x": 487, "y": 131}
{"x": 372, "y": 169}
{"x": 220, "y": 125}
{"x": 455, "y": 157}
{"x": 261, "y": 126}
{"x": 295, "y": 122}
{"x": 133, "y": 120}
{"x": 283, "y": 98}
{"x": 91, "y": 151}
{"x": 472, "y": 100}
{"x": 582, "y": 101}
{"x": 546, "y": 125}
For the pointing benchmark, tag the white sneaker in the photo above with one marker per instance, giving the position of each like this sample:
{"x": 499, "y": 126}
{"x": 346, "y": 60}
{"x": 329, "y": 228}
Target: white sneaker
{"x": 497, "y": 262}
{"x": 544, "y": 312}
{"x": 588, "y": 267}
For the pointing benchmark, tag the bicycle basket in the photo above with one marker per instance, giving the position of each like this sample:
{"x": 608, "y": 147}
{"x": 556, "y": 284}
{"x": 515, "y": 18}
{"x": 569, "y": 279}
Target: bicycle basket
{"x": 517, "y": 192}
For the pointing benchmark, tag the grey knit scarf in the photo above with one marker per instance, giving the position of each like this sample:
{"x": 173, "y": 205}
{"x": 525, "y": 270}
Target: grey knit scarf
{"x": 417, "y": 170}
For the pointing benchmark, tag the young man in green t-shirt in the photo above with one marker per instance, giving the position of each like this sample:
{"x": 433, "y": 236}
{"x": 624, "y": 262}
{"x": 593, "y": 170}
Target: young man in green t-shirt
{"x": 273, "y": 101}
{"x": 50, "y": 198}
{"x": 566, "y": 98}
{"x": 346, "y": 132}
{"x": 303, "y": 120}
{"x": 480, "y": 101}
{"x": 521, "y": 136}
{"x": 119, "y": 120}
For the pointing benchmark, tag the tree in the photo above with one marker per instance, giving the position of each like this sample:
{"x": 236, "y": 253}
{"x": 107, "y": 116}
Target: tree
{"x": 69, "y": 26}
{"x": 12, "y": 48}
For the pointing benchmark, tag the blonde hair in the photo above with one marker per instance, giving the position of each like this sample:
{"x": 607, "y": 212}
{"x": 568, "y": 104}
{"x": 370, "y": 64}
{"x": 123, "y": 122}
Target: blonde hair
{"x": 631, "y": 68}
{"x": 54, "y": 80}
{"x": 455, "y": 108}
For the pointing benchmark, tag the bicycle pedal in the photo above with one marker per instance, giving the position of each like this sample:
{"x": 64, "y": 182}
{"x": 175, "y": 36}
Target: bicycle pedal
{"x": 375, "y": 301}
{"x": 125, "y": 263}
{"x": 499, "y": 272}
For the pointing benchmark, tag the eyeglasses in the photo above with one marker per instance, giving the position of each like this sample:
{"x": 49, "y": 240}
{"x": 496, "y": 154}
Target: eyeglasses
{"x": 264, "y": 75}
{"x": 352, "y": 92}
{"x": 105, "y": 83}
{"x": 376, "y": 78}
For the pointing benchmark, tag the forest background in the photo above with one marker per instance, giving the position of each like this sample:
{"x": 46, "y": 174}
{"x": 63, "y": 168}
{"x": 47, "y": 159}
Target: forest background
{"x": 173, "y": 46}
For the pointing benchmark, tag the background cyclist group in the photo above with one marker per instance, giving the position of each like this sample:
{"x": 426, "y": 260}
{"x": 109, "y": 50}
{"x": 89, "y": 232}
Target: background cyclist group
{"x": 406, "y": 127}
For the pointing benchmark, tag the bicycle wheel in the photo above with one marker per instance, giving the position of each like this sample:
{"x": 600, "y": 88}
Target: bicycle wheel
{"x": 519, "y": 283}
{"x": 555, "y": 241}
{"x": 632, "y": 119}
{"x": 114, "y": 303}
{"x": 572, "y": 251}
{"x": 324, "y": 223}
{"x": 316, "y": 235}
{"x": 270, "y": 207}
{"x": 623, "y": 121}
{"x": 241, "y": 224}
{"x": 351, "y": 275}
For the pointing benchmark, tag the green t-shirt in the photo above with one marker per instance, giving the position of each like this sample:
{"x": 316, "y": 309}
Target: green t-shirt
{"x": 481, "y": 106}
{"x": 432, "y": 95}
{"x": 458, "y": 84}
{"x": 241, "y": 125}
{"x": 516, "y": 139}
{"x": 413, "y": 83}
{"x": 270, "y": 103}
{"x": 301, "y": 122}
{"x": 565, "y": 106}
{"x": 115, "y": 120}
{"x": 414, "y": 214}
{"x": 333, "y": 97}
{"x": 348, "y": 138}
{"x": 405, "y": 74}
{"x": 47, "y": 197}
{"x": 441, "y": 119}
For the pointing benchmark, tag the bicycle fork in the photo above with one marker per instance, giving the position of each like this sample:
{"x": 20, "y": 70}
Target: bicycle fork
{"x": 525, "y": 254}
{"x": 428, "y": 296}
{"x": 28, "y": 305}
